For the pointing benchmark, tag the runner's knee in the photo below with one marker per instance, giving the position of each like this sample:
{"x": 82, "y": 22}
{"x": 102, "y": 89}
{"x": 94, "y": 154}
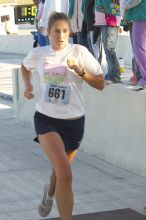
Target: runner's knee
{"x": 64, "y": 174}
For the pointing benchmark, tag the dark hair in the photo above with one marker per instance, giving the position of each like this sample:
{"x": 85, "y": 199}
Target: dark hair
{"x": 55, "y": 16}
{"x": 43, "y": 1}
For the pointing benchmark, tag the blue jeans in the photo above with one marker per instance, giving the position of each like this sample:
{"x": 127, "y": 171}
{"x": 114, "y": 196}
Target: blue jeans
{"x": 82, "y": 39}
{"x": 109, "y": 39}
{"x": 85, "y": 41}
{"x": 89, "y": 42}
{"x": 74, "y": 38}
{"x": 41, "y": 40}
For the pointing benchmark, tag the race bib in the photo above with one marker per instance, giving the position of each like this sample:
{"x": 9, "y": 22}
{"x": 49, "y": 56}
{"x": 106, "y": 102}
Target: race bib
{"x": 57, "y": 94}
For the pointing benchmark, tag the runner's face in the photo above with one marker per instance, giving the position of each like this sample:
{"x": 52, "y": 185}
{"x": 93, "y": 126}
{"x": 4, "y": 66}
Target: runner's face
{"x": 59, "y": 34}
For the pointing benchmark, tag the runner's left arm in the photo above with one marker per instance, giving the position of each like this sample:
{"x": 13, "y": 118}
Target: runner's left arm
{"x": 96, "y": 81}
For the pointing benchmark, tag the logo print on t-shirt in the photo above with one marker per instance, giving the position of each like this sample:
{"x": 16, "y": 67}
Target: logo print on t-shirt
{"x": 56, "y": 91}
{"x": 54, "y": 73}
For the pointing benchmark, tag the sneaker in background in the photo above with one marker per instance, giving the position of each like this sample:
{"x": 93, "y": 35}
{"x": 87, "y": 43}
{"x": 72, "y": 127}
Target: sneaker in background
{"x": 138, "y": 87}
{"x": 113, "y": 80}
{"x": 132, "y": 81}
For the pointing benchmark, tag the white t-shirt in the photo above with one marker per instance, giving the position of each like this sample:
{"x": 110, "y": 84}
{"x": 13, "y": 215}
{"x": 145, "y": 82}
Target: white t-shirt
{"x": 50, "y": 6}
{"x": 61, "y": 89}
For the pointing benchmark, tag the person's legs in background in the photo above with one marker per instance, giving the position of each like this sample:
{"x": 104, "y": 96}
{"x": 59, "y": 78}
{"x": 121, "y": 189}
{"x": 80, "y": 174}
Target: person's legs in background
{"x": 109, "y": 38}
{"x": 94, "y": 42}
{"x": 85, "y": 40}
{"x": 90, "y": 42}
{"x": 74, "y": 38}
{"x": 136, "y": 72}
{"x": 139, "y": 47}
{"x": 97, "y": 47}
{"x": 47, "y": 40}
{"x": 82, "y": 39}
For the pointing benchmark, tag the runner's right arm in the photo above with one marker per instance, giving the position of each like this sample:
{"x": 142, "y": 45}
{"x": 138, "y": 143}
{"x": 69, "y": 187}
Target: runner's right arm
{"x": 26, "y": 75}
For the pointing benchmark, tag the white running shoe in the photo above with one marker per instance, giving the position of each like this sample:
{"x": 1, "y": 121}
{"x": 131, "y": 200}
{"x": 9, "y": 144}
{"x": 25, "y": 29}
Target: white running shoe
{"x": 46, "y": 205}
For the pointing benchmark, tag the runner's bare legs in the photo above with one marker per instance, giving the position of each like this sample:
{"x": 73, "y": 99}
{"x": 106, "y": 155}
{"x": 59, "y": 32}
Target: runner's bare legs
{"x": 52, "y": 183}
{"x": 53, "y": 146}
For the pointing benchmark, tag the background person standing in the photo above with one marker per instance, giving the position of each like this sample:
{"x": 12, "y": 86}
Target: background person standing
{"x": 137, "y": 14}
{"x": 107, "y": 16}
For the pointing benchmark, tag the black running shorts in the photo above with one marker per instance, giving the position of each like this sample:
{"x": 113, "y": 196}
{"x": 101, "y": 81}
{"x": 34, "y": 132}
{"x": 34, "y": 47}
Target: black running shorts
{"x": 71, "y": 131}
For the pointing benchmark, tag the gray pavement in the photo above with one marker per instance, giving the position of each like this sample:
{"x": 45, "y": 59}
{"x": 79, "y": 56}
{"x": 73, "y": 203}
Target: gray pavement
{"x": 24, "y": 169}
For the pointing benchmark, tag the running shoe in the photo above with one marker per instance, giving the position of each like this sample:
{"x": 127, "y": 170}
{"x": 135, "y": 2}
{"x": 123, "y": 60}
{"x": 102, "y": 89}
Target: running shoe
{"x": 46, "y": 204}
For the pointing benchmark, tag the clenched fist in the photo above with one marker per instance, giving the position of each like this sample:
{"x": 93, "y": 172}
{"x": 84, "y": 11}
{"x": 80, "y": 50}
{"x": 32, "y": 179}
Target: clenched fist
{"x": 72, "y": 64}
{"x": 28, "y": 91}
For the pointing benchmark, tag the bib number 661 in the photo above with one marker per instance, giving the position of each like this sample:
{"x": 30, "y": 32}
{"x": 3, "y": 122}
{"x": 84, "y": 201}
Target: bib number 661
{"x": 56, "y": 93}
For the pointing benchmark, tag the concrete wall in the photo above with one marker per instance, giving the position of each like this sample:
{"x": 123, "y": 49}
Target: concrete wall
{"x": 18, "y": 44}
{"x": 115, "y": 122}
{"x": 23, "y": 109}
{"x": 21, "y": 44}
{"x": 116, "y": 126}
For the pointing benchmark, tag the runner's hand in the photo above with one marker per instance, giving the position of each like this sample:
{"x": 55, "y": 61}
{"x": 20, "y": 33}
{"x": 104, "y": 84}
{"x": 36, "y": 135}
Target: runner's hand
{"x": 72, "y": 64}
{"x": 28, "y": 91}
